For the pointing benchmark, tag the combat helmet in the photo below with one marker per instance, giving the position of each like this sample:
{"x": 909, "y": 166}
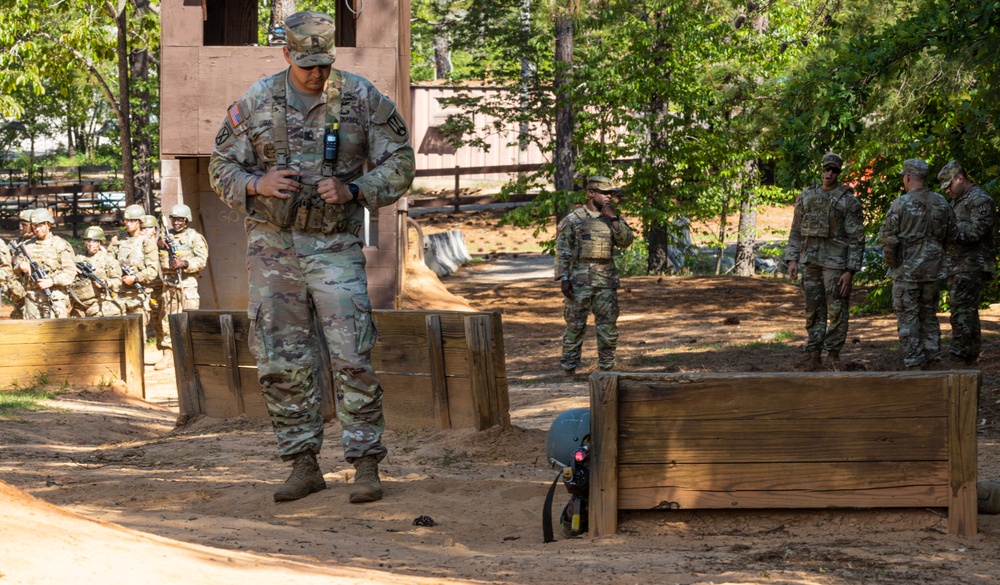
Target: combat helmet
{"x": 149, "y": 221}
{"x": 42, "y": 215}
{"x": 567, "y": 447}
{"x": 25, "y": 215}
{"x": 134, "y": 211}
{"x": 569, "y": 431}
{"x": 181, "y": 210}
{"x": 94, "y": 233}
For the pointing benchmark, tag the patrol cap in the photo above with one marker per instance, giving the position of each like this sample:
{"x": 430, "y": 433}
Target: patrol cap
{"x": 25, "y": 215}
{"x": 948, "y": 173}
{"x": 914, "y": 167}
{"x": 310, "y": 37}
{"x": 832, "y": 159}
{"x": 41, "y": 215}
{"x": 148, "y": 221}
{"x": 601, "y": 184}
{"x": 94, "y": 233}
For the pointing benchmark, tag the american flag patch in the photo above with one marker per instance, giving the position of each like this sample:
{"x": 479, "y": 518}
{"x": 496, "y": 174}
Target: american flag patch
{"x": 235, "y": 115}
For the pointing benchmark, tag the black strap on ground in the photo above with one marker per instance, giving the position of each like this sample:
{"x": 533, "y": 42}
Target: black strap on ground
{"x": 547, "y": 535}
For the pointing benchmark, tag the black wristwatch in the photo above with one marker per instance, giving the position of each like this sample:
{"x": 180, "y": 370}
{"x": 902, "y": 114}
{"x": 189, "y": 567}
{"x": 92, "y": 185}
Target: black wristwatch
{"x": 355, "y": 191}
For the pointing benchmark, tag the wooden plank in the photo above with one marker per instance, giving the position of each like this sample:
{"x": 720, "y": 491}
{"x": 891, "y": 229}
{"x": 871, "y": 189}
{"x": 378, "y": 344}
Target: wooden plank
{"x": 18, "y": 333}
{"x": 786, "y": 396}
{"x": 782, "y": 476}
{"x": 189, "y": 391}
{"x": 603, "y": 500}
{"x": 962, "y": 501}
{"x": 216, "y": 398}
{"x": 763, "y": 440}
{"x": 479, "y": 337}
{"x": 435, "y": 358}
{"x": 502, "y": 397}
{"x": 253, "y": 397}
{"x": 41, "y": 355}
{"x": 407, "y": 402}
{"x": 132, "y": 357}
{"x": 93, "y": 374}
{"x": 675, "y": 498}
{"x": 232, "y": 362}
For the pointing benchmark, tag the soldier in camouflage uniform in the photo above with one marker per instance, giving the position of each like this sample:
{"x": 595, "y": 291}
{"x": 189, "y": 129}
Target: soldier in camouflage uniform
{"x": 971, "y": 258}
{"x": 46, "y": 298}
{"x": 92, "y": 298}
{"x": 306, "y": 208}
{"x": 827, "y": 240}
{"x": 10, "y": 287}
{"x": 588, "y": 240}
{"x": 135, "y": 253}
{"x": 180, "y": 271}
{"x": 16, "y": 290}
{"x": 917, "y": 228}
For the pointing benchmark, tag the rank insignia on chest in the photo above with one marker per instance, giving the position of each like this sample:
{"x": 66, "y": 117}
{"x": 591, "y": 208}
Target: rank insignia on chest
{"x": 235, "y": 115}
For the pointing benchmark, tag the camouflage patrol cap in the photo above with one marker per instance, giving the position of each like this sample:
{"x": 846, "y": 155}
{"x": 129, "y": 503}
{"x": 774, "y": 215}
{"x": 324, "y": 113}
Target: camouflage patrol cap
{"x": 601, "y": 184}
{"x": 914, "y": 167}
{"x": 41, "y": 215}
{"x": 148, "y": 221}
{"x": 948, "y": 173}
{"x": 25, "y": 215}
{"x": 832, "y": 159}
{"x": 310, "y": 37}
{"x": 94, "y": 233}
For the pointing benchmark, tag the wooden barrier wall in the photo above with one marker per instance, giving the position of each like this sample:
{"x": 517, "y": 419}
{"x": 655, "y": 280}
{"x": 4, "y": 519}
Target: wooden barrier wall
{"x": 438, "y": 369}
{"x": 91, "y": 351}
{"x": 783, "y": 440}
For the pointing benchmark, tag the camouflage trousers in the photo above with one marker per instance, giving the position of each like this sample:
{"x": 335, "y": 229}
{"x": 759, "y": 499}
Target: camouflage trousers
{"x": 133, "y": 304}
{"x": 916, "y": 304}
{"x": 294, "y": 277}
{"x": 827, "y": 312}
{"x": 965, "y": 290}
{"x": 173, "y": 299}
{"x": 604, "y": 304}
{"x": 39, "y": 306}
{"x": 97, "y": 307}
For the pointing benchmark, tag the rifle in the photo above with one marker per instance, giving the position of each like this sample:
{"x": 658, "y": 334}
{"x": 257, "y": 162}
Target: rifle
{"x": 87, "y": 269}
{"x": 127, "y": 271}
{"x": 172, "y": 247}
{"x": 37, "y": 272}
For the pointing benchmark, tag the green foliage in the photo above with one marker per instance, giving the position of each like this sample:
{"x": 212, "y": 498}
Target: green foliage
{"x": 27, "y": 397}
{"x": 632, "y": 261}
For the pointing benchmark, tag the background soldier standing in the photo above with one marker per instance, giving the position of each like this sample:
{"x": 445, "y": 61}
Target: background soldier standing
{"x": 290, "y": 153}
{"x": 828, "y": 239}
{"x": 90, "y": 298}
{"x": 917, "y": 228}
{"x": 16, "y": 287}
{"x": 179, "y": 269}
{"x": 136, "y": 254}
{"x": 588, "y": 240}
{"x": 971, "y": 259}
{"x": 10, "y": 287}
{"x": 46, "y": 298}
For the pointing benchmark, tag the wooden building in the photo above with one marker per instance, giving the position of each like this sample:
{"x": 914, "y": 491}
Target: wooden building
{"x": 209, "y": 58}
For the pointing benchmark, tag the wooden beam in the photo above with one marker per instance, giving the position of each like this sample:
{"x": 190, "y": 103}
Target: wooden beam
{"x": 439, "y": 386}
{"x": 133, "y": 367}
{"x": 232, "y": 361}
{"x": 962, "y": 503}
{"x": 189, "y": 394}
{"x": 479, "y": 338}
{"x": 603, "y": 501}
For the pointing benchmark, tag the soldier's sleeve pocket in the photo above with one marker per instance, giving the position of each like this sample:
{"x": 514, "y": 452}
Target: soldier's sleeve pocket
{"x": 386, "y": 116}
{"x": 364, "y": 326}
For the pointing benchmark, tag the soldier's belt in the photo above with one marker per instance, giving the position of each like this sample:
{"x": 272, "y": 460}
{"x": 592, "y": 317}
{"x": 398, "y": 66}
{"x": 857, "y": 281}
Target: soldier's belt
{"x": 596, "y": 260}
{"x": 306, "y": 212}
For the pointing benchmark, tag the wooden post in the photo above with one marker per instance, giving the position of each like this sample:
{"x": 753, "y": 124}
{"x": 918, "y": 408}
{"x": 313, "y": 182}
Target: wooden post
{"x": 439, "y": 384}
{"x": 132, "y": 366}
{"x": 188, "y": 386}
{"x": 458, "y": 175}
{"x": 232, "y": 360}
{"x": 479, "y": 338}
{"x": 962, "y": 454}
{"x": 603, "y": 454}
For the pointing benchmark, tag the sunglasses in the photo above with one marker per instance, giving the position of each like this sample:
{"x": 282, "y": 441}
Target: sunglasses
{"x": 311, "y": 67}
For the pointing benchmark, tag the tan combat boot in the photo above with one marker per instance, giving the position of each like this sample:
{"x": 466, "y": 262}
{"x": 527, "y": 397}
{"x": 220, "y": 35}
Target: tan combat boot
{"x": 305, "y": 479}
{"x": 367, "y": 487}
{"x": 812, "y": 362}
{"x": 834, "y": 357}
{"x": 166, "y": 361}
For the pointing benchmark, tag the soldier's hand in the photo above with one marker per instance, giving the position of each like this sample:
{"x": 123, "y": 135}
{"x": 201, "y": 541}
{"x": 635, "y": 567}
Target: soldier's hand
{"x": 161, "y": 243}
{"x": 128, "y": 279}
{"x": 278, "y": 183}
{"x": 793, "y": 269}
{"x": 331, "y": 190}
{"x": 567, "y": 289}
{"x": 44, "y": 283}
{"x": 844, "y": 285}
{"x": 25, "y": 267}
{"x": 609, "y": 211}
{"x": 178, "y": 264}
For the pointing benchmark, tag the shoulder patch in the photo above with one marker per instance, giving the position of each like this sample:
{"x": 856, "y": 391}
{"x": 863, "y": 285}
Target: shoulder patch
{"x": 224, "y": 133}
{"x": 386, "y": 115}
{"x": 235, "y": 115}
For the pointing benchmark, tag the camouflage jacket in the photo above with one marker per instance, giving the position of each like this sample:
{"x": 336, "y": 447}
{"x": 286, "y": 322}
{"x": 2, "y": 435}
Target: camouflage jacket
{"x": 55, "y": 256}
{"x": 828, "y": 229}
{"x": 10, "y": 286}
{"x": 370, "y": 130}
{"x": 138, "y": 252}
{"x": 586, "y": 247}
{"x": 919, "y": 225}
{"x": 106, "y": 268}
{"x": 973, "y": 248}
{"x": 191, "y": 247}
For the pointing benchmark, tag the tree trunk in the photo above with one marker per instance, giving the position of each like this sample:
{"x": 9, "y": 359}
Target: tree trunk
{"x": 657, "y": 241}
{"x": 442, "y": 55}
{"x": 564, "y": 109}
{"x": 140, "y": 120}
{"x": 723, "y": 217}
{"x": 523, "y": 129}
{"x": 124, "y": 109}
{"x": 280, "y": 10}
{"x": 70, "y": 143}
{"x": 747, "y": 235}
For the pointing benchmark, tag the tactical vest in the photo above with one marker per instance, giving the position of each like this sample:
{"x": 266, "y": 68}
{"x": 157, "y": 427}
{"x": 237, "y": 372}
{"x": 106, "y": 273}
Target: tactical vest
{"x": 305, "y": 210}
{"x": 595, "y": 240}
{"x": 818, "y": 211}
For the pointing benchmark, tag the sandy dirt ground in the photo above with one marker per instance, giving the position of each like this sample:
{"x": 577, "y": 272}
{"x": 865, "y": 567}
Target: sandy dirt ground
{"x": 97, "y": 488}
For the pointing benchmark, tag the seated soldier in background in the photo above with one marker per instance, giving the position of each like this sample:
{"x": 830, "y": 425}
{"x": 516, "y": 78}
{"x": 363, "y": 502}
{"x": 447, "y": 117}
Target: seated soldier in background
{"x": 94, "y": 292}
